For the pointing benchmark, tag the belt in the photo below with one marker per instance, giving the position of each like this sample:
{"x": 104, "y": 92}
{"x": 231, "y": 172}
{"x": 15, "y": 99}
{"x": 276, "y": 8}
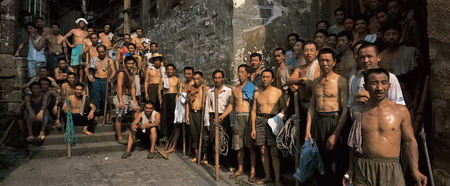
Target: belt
{"x": 195, "y": 111}
{"x": 267, "y": 116}
{"x": 101, "y": 78}
{"x": 56, "y": 54}
{"x": 327, "y": 114}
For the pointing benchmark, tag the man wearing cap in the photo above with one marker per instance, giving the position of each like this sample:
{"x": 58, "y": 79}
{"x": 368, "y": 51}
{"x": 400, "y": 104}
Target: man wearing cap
{"x": 77, "y": 47}
{"x": 152, "y": 79}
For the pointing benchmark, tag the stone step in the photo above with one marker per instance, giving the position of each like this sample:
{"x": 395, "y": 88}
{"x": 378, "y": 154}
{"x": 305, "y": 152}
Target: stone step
{"x": 55, "y": 139}
{"x": 79, "y": 149}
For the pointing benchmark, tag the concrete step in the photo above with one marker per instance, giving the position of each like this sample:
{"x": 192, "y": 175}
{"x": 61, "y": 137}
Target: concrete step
{"x": 79, "y": 149}
{"x": 55, "y": 139}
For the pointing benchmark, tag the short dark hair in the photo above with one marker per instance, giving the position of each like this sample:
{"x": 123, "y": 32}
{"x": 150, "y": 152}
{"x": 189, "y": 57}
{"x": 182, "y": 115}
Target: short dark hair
{"x": 218, "y": 71}
{"x": 360, "y": 42}
{"x": 56, "y": 24}
{"x": 93, "y": 34}
{"x": 31, "y": 24}
{"x": 393, "y": 26}
{"x": 154, "y": 43}
{"x": 297, "y": 37}
{"x": 400, "y": 3}
{"x": 198, "y": 73}
{"x": 349, "y": 17}
{"x": 43, "y": 68}
{"x": 327, "y": 51}
{"x": 364, "y": 18}
{"x": 380, "y": 10}
{"x": 188, "y": 68}
{"x": 62, "y": 59}
{"x": 322, "y": 21}
{"x": 171, "y": 65}
{"x": 79, "y": 85}
{"x": 333, "y": 35}
{"x": 101, "y": 46}
{"x": 256, "y": 55}
{"x": 71, "y": 73}
{"x": 126, "y": 35}
{"x": 280, "y": 49}
{"x": 340, "y": 9}
{"x": 367, "y": 45}
{"x": 35, "y": 84}
{"x": 347, "y": 34}
{"x": 247, "y": 68}
{"x": 324, "y": 32}
{"x": 132, "y": 44}
{"x": 138, "y": 28}
{"x": 375, "y": 71}
{"x": 128, "y": 58}
{"x": 41, "y": 18}
{"x": 107, "y": 24}
{"x": 149, "y": 102}
{"x": 45, "y": 79}
{"x": 270, "y": 71}
{"x": 310, "y": 42}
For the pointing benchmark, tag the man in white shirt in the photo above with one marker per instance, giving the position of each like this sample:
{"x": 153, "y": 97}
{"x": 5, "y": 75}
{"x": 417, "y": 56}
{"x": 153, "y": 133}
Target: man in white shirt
{"x": 224, "y": 109}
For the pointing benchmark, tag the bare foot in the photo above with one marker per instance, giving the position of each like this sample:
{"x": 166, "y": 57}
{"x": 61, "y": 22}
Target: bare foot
{"x": 235, "y": 175}
{"x": 170, "y": 150}
{"x": 193, "y": 160}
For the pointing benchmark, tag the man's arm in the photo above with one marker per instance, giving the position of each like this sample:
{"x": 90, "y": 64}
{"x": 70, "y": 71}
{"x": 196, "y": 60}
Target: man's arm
{"x": 206, "y": 109}
{"x": 91, "y": 113}
{"x": 343, "y": 99}
{"x": 88, "y": 75}
{"x": 65, "y": 50}
{"x": 26, "y": 85}
{"x": 160, "y": 87}
{"x": 53, "y": 83}
{"x": 65, "y": 107}
{"x": 21, "y": 47}
{"x": 152, "y": 124}
{"x": 136, "y": 121}
{"x": 310, "y": 115}
{"x": 253, "y": 114}
{"x": 120, "y": 77}
{"x": 41, "y": 43}
{"x": 133, "y": 92}
{"x": 295, "y": 78}
{"x": 113, "y": 69}
{"x": 66, "y": 38}
{"x": 411, "y": 146}
{"x": 146, "y": 83}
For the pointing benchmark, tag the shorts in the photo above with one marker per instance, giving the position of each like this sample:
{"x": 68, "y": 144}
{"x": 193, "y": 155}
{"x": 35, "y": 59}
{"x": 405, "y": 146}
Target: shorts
{"x": 75, "y": 58}
{"x": 239, "y": 130}
{"x": 264, "y": 135}
{"x": 129, "y": 104}
{"x": 376, "y": 170}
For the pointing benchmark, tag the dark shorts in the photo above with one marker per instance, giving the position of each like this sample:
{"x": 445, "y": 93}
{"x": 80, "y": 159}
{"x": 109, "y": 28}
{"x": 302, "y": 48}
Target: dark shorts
{"x": 79, "y": 120}
{"x": 264, "y": 135}
{"x": 376, "y": 170}
{"x": 239, "y": 130}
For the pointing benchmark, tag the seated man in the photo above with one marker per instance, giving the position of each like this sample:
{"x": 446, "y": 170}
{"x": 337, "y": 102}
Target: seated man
{"x": 144, "y": 125}
{"x": 62, "y": 70}
{"x": 36, "y": 111}
{"x": 43, "y": 73}
{"x": 81, "y": 108}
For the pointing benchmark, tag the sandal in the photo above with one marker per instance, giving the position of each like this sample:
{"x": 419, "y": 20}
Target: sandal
{"x": 126, "y": 155}
{"x": 235, "y": 175}
{"x": 40, "y": 137}
{"x": 87, "y": 133}
{"x": 264, "y": 181}
{"x": 252, "y": 179}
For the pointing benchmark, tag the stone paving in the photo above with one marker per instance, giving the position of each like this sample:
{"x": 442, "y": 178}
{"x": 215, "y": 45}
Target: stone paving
{"x": 109, "y": 169}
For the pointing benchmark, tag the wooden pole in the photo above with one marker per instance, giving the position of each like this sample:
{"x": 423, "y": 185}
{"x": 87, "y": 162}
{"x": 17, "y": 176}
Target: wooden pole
{"x": 7, "y": 131}
{"x": 200, "y": 140}
{"x": 216, "y": 136}
{"x": 297, "y": 112}
{"x": 126, "y": 16}
{"x": 106, "y": 95}
{"x": 184, "y": 139}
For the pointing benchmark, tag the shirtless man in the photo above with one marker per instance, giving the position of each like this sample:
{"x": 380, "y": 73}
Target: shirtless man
{"x": 101, "y": 77}
{"x": 297, "y": 56}
{"x": 42, "y": 29}
{"x": 56, "y": 47}
{"x": 327, "y": 115}
{"x": 152, "y": 79}
{"x": 43, "y": 73}
{"x": 122, "y": 50}
{"x": 133, "y": 52}
{"x": 87, "y": 41}
{"x": 347, "y": 60}
{"x": 77, "y": 47}
{"x": 404, "y": 62}
{"x": 62, "y": 70}
{"x": 303, "y": 76}
{"x": 194, "y": 107}
{"x": 107, "y": 37}
{"x": 380, "y": 126}
{"x": 125, "y": 100}
{"x": 241, "y": 102}
{"x": 339, "y": 14}
{"x": 141, "y": 42}
{"x": 36, "y": 111}
{"x": 68, "y": 88}
{"x": 320, "y": 37}
{"x": 257, "y": 68}
{"x": 168, "y": 96}
{"x": 83, "y": 111}
{"x": 90, "y": 49}
{"x": 282, "y": 74}
{"x": 268, "y": 102}
{"x": 153, "y": 49}
{"x": 144, "y": 125}
{"x": 349, "y": 24}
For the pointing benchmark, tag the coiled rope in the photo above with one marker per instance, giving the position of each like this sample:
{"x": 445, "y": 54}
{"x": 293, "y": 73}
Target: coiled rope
{"x": 69, "y": 135}
{"x": 223, "y": 142}
{"x": 287, "y": 137}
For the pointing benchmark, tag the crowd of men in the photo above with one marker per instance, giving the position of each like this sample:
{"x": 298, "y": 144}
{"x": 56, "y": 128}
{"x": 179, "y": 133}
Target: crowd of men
{"x": 357, "y": 83}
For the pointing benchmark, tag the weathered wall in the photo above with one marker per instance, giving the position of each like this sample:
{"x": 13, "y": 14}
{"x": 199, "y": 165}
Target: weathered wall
{"x": 195, "y": 33}
{"x": 7, "y": 26}
{"x": 438, "y": 29}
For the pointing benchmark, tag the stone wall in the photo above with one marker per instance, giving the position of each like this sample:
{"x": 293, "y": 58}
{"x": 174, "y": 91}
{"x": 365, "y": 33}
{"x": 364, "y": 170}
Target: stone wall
{"x": 8, "y": 26}
{"x": 192, "y": 33}
{"x": 438, "y": 29}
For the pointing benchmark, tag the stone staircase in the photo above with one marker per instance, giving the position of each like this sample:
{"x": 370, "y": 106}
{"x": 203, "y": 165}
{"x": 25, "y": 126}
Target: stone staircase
{"x": 104, "y": 140}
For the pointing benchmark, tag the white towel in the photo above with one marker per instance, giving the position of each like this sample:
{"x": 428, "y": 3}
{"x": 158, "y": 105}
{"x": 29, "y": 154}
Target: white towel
{"x": 276, "y": 123}
{"x": 165, "y": 78}
{"x": 180, "y": 112}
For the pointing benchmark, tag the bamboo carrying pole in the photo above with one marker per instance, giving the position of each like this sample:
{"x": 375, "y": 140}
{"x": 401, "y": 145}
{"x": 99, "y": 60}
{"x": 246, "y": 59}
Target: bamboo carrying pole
{"x": 106, "y": 96}
{"x": 297, "y": 137}
{"x": 216, "y": 136}
{"x": 200, "y": 140}
{"x": 184, "y": 131}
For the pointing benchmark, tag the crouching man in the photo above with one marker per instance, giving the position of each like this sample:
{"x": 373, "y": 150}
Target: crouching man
{"x": 82, "y": 109}
{"x": 145, "y": 125}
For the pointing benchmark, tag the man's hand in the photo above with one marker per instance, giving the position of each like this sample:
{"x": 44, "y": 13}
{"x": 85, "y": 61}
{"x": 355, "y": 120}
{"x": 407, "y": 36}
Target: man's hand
{"x": 362, "y": 96}
{"x": 345, "y": 181}
{"x": 121, "y": 105}
{"x": 134, "y": 127}
{"x": 331, "y": 142}
{"x": 40, "y": 115}
{"x": 32, "y": 116}
{"x": 91, "y": 79}
{"x": 308, "y": 137}
{"x": 188, "y": 121}
{"x": 147, "y": 97}
{"x": 293, "y": 88}
{"x": 137, "y": 108}
{"x": 421, "y": 180}
{"x": 207, "y": 128}
{"x": 17, "y": 53}
{"x": 55, "y": 109}
{"x": 90, "y": 116}
{"x": 220, "y": 119}
{"x": 253, "y": 134}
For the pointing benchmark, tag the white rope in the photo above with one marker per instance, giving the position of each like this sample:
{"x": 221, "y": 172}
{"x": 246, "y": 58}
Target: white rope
{"x": 287, "y": 137}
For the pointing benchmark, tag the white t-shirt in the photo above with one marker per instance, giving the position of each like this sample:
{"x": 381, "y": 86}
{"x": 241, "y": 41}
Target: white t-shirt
{"x": 395, "y": 92}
